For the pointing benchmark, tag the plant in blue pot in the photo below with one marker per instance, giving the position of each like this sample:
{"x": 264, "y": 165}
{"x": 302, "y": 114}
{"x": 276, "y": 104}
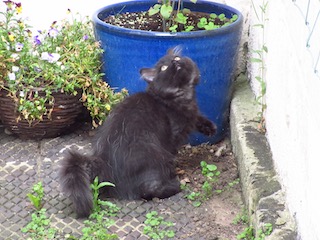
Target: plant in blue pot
{"x": 135, "y": 34}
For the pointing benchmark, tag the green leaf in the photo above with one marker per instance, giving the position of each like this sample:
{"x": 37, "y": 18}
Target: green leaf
{"x": 188, "y": 28}
{"x": 166, "y": 11}
{"x": 180, "y": 18}
{"x": 255, "y": 60}
{"x": 265, "y": 48}
{"x": 173, "y": 28}
{"x": 186, "y": 11}
{"x": 193, "y": 1}
{"x": 212, "y": 167}
{"x": 104, "y": 184}
{"x": 170, "y": 234}
{"x": 154, "y": 10}
{"x": 210, "y": 26}
{"x": 36, "y": 201}
{"x": 259, "y": 25}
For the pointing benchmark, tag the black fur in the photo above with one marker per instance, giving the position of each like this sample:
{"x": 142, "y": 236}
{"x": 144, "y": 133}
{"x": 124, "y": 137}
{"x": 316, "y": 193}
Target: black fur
{"x": 136, "y": 146}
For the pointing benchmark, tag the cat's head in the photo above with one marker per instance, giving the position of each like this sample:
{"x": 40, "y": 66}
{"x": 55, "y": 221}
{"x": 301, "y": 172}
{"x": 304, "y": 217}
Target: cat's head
{"x": 174, "y": 76}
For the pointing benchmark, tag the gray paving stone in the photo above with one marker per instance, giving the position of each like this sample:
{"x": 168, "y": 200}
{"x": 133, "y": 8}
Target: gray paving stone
{"x": 24, "y": 163}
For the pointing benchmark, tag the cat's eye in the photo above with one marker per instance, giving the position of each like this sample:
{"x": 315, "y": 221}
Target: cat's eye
{"x": 164, "y": 67}
{"x": 177, "y": 58}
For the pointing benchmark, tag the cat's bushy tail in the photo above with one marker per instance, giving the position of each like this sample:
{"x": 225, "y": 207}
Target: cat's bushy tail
{"x": 76, "y": 174}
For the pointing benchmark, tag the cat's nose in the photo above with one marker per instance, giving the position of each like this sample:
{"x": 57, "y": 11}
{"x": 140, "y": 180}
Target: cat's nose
{"x": 176, "y": 64}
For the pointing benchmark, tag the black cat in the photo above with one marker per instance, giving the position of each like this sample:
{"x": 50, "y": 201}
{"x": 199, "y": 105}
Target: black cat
{"x": 136, "y": 146}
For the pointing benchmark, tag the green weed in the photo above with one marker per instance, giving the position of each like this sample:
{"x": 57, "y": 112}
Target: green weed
{"x": 96, "y": 227}
{"x": 211, "y": 175}
{"x": 39, "y": 226}
{"x": 155, "y": 226}
{"x": 249, "y": 234}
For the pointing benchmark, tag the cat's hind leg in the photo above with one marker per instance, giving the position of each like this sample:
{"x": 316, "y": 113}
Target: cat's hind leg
{"x": 158, "y": 188}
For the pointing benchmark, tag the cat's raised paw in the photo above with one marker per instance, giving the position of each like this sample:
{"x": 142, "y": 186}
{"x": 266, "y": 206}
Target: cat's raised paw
{"x": 206, "y": 127}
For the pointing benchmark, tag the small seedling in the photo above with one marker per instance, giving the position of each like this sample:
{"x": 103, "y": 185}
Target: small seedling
{"x": 97, "y": 203}
{"x": 174, "y": 14}
{"x": 98, "y": 223}
{"x": 39, "y": 226}
{"x": 241, "y": 218}
{"x": 222, "y": 17}
{"x": 36, "y": 198}
{"x": 249, "y": 234}
{"x": 155, "y": 226}
{"x": 211, "y": 174}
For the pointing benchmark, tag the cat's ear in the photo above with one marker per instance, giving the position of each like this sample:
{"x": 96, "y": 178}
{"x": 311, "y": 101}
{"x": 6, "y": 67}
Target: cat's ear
{"x": 148, "y": 74}
{"x": 176, "y": 51}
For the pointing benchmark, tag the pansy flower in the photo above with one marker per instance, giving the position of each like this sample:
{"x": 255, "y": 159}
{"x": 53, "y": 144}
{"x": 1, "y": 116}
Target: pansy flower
{"x": 12, "y": 76}
{"x": 53, "y": 32}
{"x": 15, "y": 69}
{"x": 11, "y": 37}
{"x": 18, "y": 8}
{"x": 36, "y": 40}
{"x": 50, "y": 57}
{"x": 9, "y": 4}
{"x": 18, "y": 47}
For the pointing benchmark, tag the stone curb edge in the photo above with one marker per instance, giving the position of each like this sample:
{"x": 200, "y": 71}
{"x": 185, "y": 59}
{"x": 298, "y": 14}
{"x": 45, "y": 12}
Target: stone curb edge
{"x": 262, "y": 192}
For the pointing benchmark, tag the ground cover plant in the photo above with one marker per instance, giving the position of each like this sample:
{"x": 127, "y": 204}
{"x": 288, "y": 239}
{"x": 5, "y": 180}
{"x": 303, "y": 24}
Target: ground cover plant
{"x": 156, "y": 226}
{"x": 96, "y": 226}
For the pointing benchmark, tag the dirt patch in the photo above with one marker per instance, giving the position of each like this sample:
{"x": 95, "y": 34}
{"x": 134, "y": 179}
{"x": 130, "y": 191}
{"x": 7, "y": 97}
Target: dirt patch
{"x": 226, "y": 205}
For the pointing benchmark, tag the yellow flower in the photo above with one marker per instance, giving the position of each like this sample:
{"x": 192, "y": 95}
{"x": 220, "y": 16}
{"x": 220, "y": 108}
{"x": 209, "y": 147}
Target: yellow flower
{"x": 11, "y": 37}
{"x": 21, "y": 24}
{"x": 108, "y": 107}
{"x": 18, "y": 8}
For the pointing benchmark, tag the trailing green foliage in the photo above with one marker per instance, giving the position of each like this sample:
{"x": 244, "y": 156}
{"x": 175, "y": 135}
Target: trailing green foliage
{"x": 155, "y": 226}
{"x": 65, "y": 58}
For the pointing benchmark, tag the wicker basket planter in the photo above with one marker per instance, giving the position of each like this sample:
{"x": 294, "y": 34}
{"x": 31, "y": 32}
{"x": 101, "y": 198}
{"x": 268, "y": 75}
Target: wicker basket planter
{"x": 64, "y": 113}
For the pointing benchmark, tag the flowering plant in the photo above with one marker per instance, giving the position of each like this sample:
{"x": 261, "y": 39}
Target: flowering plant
{"x": 64, "y": 58}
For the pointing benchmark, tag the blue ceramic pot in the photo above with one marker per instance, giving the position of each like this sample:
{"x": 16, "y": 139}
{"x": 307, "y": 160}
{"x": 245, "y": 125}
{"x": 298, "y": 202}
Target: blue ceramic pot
{"x": 126, "y": 51}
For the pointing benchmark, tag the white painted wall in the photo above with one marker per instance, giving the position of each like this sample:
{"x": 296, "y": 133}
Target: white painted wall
{"x": 293, "y": 106}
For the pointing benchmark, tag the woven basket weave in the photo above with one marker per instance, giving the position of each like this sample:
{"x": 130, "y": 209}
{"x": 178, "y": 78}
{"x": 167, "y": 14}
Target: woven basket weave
{"x": 65, "y": 111}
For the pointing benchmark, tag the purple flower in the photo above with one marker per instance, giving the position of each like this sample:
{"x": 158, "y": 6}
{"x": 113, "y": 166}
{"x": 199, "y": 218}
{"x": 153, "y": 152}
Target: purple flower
{"x": 36, "y": 40}
{"x": 85, "y": 37}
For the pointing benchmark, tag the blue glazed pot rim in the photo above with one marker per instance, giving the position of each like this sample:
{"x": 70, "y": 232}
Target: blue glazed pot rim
{"x": 142, "y": 33}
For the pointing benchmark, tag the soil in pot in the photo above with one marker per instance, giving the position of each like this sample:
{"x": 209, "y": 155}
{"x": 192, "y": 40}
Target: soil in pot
{"x": 143, "y": 21}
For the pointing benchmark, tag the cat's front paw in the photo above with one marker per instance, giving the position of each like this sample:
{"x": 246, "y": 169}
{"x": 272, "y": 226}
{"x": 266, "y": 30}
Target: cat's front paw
{"x": 206, "y": 127}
